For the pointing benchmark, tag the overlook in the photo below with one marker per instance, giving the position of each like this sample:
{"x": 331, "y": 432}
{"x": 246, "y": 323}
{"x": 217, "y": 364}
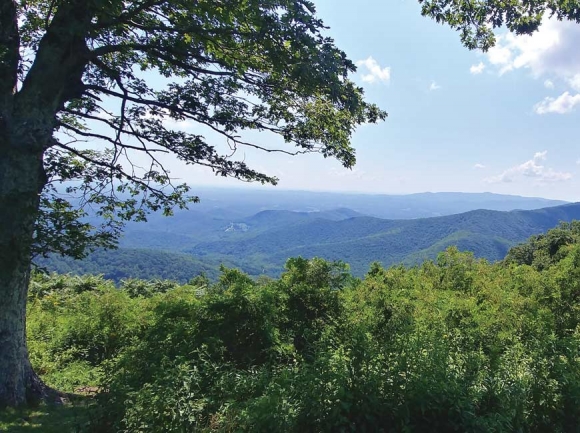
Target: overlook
{"x": 274, "y": 215}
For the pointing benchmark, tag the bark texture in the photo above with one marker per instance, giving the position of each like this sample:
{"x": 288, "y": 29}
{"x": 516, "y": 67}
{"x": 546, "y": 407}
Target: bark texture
{"x": 27, "y": 125}
{"x": 21, "y": 178}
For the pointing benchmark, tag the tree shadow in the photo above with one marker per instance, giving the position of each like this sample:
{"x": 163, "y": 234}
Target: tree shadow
{"x": 75, "y": 416}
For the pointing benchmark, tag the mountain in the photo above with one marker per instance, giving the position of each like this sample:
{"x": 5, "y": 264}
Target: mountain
{"x": 362, "y": 240}
{"x": 188, "y": 228}
{"x": 232, "y": 204}
{"x": 261, "y": 243}
{"x": 230, "y": 214}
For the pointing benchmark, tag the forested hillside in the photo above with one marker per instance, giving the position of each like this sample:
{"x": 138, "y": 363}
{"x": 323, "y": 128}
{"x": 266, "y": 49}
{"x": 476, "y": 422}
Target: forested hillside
{"x": 457, "y": 344}
{"x": 262, "y": 243}
{"x": 130, "y": 263}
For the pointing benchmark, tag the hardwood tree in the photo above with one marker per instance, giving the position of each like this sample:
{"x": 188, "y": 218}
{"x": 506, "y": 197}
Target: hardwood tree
{"x": 110, "y": 73}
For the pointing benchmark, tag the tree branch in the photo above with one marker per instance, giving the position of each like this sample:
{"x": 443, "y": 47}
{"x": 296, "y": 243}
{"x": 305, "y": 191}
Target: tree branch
{"x": 128, "y": 15}
{"x": 60, "y": 61}
{"x": 196, "y": 118}
{"x": 109, "y": 167}
{"x": 110, "y": 140}
{"x": 172, "y": 57}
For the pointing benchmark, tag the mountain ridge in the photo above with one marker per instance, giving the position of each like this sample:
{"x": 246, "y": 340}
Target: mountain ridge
{"x": 262, "y": 242}
{"x": 390, "y": 241}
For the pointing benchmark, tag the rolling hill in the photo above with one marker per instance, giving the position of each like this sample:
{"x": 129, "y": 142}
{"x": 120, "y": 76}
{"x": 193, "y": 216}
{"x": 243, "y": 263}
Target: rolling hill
{"x": 232, "y": 215}
{"x": 262, "y": 242}
{"x": 125, "y": 263}
{"x": 362, "y": 240}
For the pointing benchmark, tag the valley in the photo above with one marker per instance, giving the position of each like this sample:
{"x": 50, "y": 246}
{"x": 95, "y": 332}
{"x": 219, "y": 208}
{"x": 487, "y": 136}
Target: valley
{"x": 203, "y": 238}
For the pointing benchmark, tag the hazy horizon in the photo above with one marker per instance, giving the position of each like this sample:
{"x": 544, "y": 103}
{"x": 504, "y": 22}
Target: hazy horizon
{"x": 268, "y": 188}
{"x": 505, "y": 121}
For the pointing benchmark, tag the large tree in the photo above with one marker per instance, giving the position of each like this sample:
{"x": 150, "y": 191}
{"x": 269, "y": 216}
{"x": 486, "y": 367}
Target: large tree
{"x": 112, "y": 72}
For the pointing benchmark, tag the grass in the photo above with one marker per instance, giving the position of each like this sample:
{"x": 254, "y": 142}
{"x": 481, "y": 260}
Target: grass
{"x": 71, "y": 417}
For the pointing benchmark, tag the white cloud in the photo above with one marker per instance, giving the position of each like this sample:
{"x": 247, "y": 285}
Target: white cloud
{"x": 561, "y": 105}
{"x": 479, "y": 166}
{"x": 374, "y": 71}
{"x": 541, "y": 155}
{"x": 477, "y": 69}
{"x": 500, "y": 55}
{"x": 531, "y": 169}
{"x": 552, "y": 49}
{"x": 434, "y": 86}
{"x": 578, "y": 162}
{"x": 575, "y": 82}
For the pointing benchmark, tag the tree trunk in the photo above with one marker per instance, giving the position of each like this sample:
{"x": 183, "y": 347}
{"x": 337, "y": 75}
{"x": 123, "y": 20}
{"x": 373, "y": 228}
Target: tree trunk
{"x": 21, "y": 181}
{"x": 27, "y": 122}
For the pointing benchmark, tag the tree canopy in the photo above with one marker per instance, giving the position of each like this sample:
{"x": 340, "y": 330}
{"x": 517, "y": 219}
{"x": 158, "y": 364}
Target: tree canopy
{"x": 125, "y": 67}
{"x": 476, "y": 21}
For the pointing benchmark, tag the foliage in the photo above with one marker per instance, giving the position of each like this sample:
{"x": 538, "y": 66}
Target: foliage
{"x": 75, "y": 324}
{"x": 542, "y": 251}
{"x": 457, "y": 344}
{"x": 123, "y": 75}
{"x": 476, "y": 21}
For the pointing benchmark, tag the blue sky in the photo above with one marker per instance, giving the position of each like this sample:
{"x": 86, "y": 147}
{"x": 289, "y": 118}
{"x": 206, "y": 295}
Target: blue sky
{"x": 507, "y": 121}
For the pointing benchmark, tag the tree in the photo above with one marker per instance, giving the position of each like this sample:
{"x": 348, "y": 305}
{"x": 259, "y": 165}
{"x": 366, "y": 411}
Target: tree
{"x": 476, "y": 21}
{"x": 545, "y": 250}
{"x": 111, "y": 72}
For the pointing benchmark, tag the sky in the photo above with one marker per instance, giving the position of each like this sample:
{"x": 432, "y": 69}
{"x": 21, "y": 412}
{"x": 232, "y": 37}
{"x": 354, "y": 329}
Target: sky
{"x": 506, "y": 121}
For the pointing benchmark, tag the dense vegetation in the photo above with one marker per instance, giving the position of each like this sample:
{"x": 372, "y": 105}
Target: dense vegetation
{"x": 124, "y": 263}
{"x": 270, "y": 237}
{"x": 458, "y": 344}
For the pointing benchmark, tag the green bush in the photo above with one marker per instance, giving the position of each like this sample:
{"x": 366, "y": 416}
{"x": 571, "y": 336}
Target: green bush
{"x": 75, "y": 324}
{"x": 449, "y": 346}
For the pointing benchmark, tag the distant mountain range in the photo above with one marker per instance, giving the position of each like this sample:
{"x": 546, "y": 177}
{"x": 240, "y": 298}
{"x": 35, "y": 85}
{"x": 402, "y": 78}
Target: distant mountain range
{"x": 201, "y": 239}
{"x": 242, "y": 203}
{"x": 362, "y": 240}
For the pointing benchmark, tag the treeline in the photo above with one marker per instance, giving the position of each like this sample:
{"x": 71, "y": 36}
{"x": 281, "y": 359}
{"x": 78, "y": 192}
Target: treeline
{"x": 452, "y": 345}
{"x": 124, "y": 263}
{"x": 127, "y": 263}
